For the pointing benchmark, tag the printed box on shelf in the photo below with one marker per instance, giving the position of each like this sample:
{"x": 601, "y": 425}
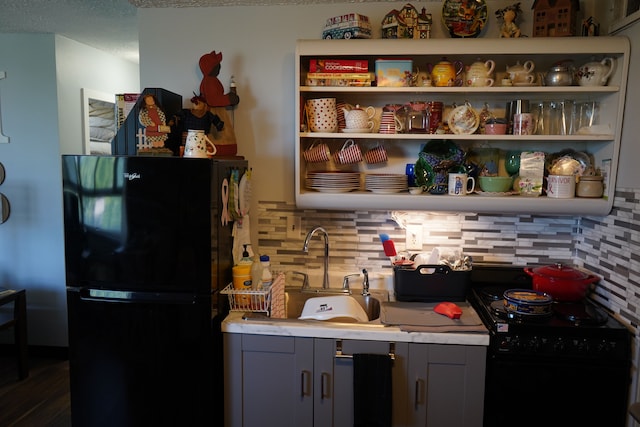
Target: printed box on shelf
{"x": 393, "y": 72}
{"x": 338, "y": 66}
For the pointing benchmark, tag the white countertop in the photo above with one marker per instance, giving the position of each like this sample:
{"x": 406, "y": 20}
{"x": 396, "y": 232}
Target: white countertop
{"x": 372, "y": 331}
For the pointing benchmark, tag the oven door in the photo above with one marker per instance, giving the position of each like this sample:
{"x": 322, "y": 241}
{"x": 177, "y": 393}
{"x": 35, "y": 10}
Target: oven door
{"x": 528, "y": 391}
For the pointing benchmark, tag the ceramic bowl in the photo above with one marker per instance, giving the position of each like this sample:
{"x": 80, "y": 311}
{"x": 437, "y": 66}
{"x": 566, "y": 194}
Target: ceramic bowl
{"x": 495, "y": 184}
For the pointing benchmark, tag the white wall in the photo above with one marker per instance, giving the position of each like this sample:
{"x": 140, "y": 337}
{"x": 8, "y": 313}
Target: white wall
{"x": 40, "y": 108}
{"x": 258, "y": 46}
{"x": 80, "y": 66}
{"x": 628, "y": 170}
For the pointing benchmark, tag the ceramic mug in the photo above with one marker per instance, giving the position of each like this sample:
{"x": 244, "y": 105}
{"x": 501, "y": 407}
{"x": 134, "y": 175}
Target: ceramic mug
{"x": 435, "y": 109}
{"x": 523, "y": 124}
{"x": 460, "y": 184}
{"x": 479, "y": 81}
{"x": 348, "y": 154}
{"x": 322, "y": 115}
{"x": 317, "y": 153}
{"x": 389, "y": 123}
{"x": 561, "y": 186}
{"x": 198, "y": 145}
{"x": 377, "y": 154}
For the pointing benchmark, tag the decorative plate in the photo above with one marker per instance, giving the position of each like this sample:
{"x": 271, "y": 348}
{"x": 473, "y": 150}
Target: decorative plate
{"x": 464, "y": 18}
{"x": 424, "y": 173}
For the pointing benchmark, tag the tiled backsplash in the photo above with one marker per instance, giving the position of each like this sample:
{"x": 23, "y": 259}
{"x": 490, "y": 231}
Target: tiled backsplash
{"x": 609, "y": 246}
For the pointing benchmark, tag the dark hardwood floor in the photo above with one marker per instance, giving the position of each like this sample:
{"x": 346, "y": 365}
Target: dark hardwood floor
{"x": 40, "y": 400}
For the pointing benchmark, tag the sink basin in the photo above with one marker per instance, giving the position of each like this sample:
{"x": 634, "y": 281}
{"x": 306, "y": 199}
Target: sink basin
{"x": 295, "y": 300}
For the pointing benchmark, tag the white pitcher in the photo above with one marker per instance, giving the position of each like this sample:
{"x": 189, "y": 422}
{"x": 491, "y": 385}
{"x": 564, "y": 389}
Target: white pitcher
{"x": 198, "y": 145}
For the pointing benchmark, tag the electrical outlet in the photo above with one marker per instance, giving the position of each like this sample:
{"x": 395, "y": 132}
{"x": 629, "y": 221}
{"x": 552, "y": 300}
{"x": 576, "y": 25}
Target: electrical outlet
{"x": 414, "y": 237}
{"x": 293, "y": 227}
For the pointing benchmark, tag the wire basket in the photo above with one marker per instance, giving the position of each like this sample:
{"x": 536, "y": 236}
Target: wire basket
{"x": 248, "y": 300}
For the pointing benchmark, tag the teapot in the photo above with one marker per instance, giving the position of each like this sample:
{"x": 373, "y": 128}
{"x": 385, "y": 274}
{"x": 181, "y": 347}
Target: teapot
{"x": 446, "y": 73}
{"x": 595, "y": 73}
{"x": 521, "y": 74}
{"x": 559, "y": 75}
{"x": 480, "y": 73}
{"x": 359, "y": 118}
{"x": 198, "y": 144}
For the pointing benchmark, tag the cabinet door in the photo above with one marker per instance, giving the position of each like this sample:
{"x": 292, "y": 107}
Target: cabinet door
{"x": 268, "y": 381}
{"x": 446, "y": 385}
{"x": 343, "y": 389}
{"x": 323, "y": 380}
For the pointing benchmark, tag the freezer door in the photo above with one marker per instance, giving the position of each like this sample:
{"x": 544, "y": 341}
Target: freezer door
{"x": 138, "y": 223}
{"x": 138, "y": 360}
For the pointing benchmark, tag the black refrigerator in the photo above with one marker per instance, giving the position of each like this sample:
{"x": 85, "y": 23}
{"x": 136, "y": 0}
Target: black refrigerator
{"x": 145, "y": 254}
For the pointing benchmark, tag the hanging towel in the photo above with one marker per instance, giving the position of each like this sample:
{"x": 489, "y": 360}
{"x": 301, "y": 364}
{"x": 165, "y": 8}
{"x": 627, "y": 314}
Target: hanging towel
{"x": 372, "y": 390}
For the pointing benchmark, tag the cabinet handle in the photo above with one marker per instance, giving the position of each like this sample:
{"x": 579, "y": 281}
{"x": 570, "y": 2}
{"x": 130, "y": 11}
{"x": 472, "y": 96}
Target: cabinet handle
{"x": 416, "y": 396}
{"x": 324, "y": 385}
{"x": 341, "y": 355}
{"x": 303, "y": 383}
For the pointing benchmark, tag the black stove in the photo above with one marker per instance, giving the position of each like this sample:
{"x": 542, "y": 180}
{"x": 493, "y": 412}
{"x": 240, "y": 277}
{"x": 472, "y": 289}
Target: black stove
{"x": 575, "y": 361}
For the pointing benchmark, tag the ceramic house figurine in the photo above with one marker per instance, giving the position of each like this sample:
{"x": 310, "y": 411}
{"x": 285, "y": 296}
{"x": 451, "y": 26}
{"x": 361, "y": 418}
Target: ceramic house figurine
{"x": 555, "y": 18}
{"x": 407, "y": 23}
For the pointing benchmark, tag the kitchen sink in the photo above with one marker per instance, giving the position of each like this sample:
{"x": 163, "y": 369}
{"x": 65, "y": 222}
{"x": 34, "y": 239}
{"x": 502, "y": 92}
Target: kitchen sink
{"x": 295, "y": 300}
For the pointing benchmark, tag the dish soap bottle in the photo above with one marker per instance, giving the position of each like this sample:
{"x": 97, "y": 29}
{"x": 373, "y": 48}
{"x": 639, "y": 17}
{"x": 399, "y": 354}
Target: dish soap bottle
{"x": 267, "y": 277}
{"x": 256, "y": 273}
{"x": 246, "y": 259}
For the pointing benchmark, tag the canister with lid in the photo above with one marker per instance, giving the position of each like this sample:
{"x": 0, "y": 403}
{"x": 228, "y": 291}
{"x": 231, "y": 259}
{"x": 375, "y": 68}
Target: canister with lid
{"x": 590, "y": 186}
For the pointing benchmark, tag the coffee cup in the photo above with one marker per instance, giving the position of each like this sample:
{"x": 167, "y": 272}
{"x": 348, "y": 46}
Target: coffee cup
{"x": 460, "y": 184}
{"x": 377, "y": 154}
{"x": 389, "y": 123}
{"x": 523, "y": 124}
{"x": 479, "y": 81}
{"x": 561, "y": 186}
{"x": 317, "y": 153}
{"x": 198, "y": 145}
{"x": 348, "y": 154}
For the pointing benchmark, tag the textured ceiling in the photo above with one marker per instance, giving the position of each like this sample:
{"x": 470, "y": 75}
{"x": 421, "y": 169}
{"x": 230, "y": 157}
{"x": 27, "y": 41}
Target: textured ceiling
{"x": 109, "y": 25}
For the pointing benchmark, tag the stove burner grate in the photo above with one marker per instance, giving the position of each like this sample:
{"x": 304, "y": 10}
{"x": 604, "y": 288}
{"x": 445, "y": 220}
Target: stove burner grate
{"x": 580, "y": 313}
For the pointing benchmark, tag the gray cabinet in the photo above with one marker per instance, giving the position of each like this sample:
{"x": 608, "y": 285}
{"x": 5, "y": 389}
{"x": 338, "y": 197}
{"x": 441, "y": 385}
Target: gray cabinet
{"x": 268, "y": 380}
{"x": 297, "y": 381}
{"x": 446, "y": 385}
{"x": 342, "y": 388}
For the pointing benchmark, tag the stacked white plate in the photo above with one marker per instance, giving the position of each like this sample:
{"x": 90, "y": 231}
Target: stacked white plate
{"x": 386, "y": 183}
{"x": 333, "y": 182}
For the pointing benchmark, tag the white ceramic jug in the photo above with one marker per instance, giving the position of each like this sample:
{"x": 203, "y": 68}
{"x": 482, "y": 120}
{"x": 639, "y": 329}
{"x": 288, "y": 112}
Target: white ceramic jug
{"x": 595, "y": 73}
{"x": 198, "y": 145}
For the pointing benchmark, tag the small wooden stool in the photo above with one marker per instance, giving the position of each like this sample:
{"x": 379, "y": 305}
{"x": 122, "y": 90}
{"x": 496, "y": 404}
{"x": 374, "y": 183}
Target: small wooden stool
{"x": 19, "y": 323}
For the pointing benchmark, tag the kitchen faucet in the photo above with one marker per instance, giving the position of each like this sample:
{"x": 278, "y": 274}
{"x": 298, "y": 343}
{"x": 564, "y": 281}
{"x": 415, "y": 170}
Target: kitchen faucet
{"x": 365, "y": 283}
{"x": 305, "y": 249}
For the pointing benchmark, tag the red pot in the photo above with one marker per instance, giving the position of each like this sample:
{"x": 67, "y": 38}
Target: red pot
{"x": 563, "y": 283}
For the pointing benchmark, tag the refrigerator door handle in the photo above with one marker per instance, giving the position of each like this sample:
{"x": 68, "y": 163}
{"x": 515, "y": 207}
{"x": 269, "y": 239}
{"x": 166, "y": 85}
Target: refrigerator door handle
{"x": 117, "y": 296}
